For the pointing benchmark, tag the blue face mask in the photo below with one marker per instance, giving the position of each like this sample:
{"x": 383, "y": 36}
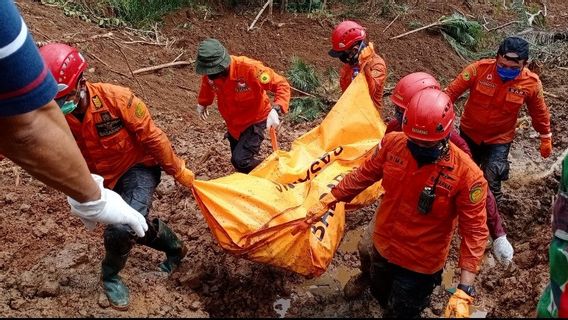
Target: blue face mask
{"x": 68, "y": 106}
{"x": 425, "y": 155}
{"x": 507, "y": 74}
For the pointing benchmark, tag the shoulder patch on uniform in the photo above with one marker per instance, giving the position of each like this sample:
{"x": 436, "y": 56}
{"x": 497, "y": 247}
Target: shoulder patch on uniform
{"x": 97, "y": 102}
{"x": 264, "y": 77}
{"x": 475, "y": 192}
{"x": 140, "y": 110}
{"x": 466, "y": 76}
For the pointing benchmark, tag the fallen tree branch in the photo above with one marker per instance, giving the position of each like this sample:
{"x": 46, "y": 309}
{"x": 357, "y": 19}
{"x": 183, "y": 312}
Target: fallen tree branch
{"x": 144, "y": 42}
{"x": 562, "y": 68}
{"x": 161, "y": 66}
{"x": 258, "y": 15}
{"x": 550, "y": 94}
{"x": 388, "y": 26}
{"x": 503, "y": 25}
{"x": 437, "y": 23}
{"x": 130, "y": 69}
{"x": 532, "y": 16}
{"x": 106, "y": 65}
{"x": 185, "y": 88}
{"x": 304, "y": 92}
{"x": 179, "y": 55}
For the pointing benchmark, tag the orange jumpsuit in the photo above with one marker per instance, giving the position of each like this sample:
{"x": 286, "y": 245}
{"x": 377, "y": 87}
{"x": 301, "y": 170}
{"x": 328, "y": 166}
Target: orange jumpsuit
{"x": 404, "y": 236}
{"x": 375, "y": 71}
{"x": 242, "y": 98}
{"x": 117, "y": 132}
{"x": 490, "y": 113}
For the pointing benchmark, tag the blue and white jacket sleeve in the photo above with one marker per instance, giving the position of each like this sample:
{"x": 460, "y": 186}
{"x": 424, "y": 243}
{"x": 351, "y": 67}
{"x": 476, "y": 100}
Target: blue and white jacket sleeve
{"x": 25, "y": 82}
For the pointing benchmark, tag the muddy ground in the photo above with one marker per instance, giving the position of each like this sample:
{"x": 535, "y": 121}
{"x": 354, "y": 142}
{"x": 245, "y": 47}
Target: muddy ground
{"x": 50, "y": 265}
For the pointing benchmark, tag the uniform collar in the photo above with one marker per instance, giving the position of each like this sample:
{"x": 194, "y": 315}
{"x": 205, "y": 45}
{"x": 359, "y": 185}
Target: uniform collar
{"x": 446, "y": 161}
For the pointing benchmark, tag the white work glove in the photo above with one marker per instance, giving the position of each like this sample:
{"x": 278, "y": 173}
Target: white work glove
{"x": 503, "y": 250}
{"x": 272, "y": 120}
{"x": 109, "y": 209}
{"x": 202, "y": 112}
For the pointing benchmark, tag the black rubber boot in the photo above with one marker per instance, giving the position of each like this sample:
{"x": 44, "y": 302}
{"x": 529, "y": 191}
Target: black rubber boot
{"x": 167, "y": 241}
{"x": 357, "y": 285}
{"x": 115, "y": 290}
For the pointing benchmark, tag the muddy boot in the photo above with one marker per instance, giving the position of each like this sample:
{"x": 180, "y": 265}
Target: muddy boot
{"x": 167, "y": 241}
{"x": 115, "y": 290}
{"x": 356, "y": 286}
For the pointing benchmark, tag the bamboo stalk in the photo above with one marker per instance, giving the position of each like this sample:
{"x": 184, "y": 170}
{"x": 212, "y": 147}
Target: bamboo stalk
{"x": 388, "y": 26}
{"x": 258, "y": 15}
{"x": 106, "y": 65}
{"x": 161, "y": 66}
{"x": 130, "y": 69}
{"x": 503, "y": 25}
{"x": 438, "y": 23}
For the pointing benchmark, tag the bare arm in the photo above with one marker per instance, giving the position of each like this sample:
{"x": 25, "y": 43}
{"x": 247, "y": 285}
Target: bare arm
{"x": 467, "y": 277}
{"x": 40, "y": 142}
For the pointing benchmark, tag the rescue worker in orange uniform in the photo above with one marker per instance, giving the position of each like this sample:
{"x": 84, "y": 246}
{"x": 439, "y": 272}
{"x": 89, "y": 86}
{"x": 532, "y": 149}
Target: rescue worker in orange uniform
{"x": 498, "y": 89}
{"x": 348, "y": 44}
{"x": 119, "y": 141}
{"x": 430, "y": 186}
{"x": 240, "y": 85}
{"x": 405, "y": 89}
{"x": 35, "y": 136}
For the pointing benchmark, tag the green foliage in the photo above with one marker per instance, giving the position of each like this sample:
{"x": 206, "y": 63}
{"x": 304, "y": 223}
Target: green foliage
{"x": 86, "y": 13}
{"x": 142, "y": 13}
{"x": 415, "y": 25}
{"x": 464, "y": 36}
{"x": 466, "y": 32}
{"x": 304, "y": 5}
{"x": 389, "y": 8}
{"x": 519, "y": 7}
{"x": 115, "y": 13}
{"x": 305, "y": 109}
{"x": 303, "y": 76}
{"x": 464, "y": 52}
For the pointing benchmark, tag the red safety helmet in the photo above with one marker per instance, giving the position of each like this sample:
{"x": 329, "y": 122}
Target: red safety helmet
{"x": 411, "y": 84}
{"x": 66, "y": 64}
{"x": 429, "y": 116}
{"x": 344, "y": 36}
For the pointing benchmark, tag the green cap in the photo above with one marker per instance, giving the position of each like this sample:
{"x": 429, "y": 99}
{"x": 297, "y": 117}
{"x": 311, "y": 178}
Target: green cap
{"x": 212, "y": 57}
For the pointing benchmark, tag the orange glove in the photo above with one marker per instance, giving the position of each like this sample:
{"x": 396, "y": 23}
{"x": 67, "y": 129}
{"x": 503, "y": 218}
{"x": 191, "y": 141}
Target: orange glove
{"x": 458, "y": 306}
{"x": 185, "y": 177}
{"x": 546, "y": 145}
{"x": 366, "y": 54}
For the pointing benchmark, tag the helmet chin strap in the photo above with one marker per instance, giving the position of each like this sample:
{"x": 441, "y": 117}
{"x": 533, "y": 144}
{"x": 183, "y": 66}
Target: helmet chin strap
{"x": 355, "y": 60}
{"x": 83, "y": 99}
